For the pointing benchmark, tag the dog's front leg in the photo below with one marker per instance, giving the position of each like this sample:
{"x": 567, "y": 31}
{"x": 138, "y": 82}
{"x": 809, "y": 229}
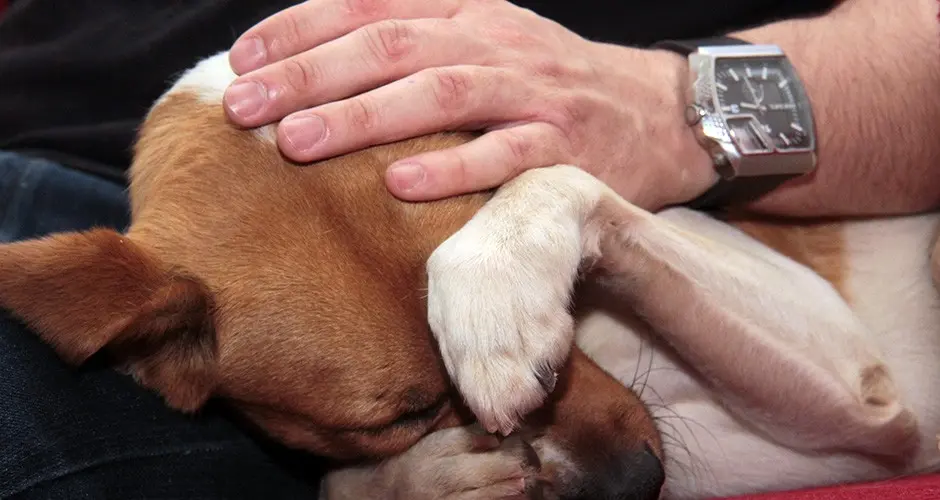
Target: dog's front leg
{"x": 779, "y": 346}
{"x": 499, "y": 291}
{"x": 777, "y": 343}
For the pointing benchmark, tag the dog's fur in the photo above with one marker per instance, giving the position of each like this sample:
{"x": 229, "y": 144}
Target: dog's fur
{"x": 748, "y": 355}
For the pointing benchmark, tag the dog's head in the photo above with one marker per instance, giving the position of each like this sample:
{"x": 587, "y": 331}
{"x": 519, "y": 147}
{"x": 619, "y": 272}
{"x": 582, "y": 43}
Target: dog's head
{"x": 297, "y": 295}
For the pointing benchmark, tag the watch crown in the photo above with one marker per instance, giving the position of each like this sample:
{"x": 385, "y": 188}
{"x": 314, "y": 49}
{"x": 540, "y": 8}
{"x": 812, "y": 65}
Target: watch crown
{"x": 694, "y": 114}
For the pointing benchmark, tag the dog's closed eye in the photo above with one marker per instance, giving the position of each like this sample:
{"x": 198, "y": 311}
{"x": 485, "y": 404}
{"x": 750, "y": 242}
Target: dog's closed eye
{"x": 421, "y": 415}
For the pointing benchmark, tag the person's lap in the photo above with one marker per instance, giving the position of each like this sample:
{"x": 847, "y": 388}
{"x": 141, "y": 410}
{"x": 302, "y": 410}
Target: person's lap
{"x": 92, "y": 432}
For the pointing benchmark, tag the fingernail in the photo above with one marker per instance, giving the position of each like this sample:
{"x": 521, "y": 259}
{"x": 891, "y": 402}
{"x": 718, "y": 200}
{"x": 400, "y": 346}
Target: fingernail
{"x": 246, "y": 99}
{"x": 407, "y": 176}
{"x": 303, "y": 132}
{"x": 248, "y": 54}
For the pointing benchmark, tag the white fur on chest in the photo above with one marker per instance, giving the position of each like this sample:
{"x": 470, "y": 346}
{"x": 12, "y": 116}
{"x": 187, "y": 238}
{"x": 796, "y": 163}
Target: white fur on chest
{"x": 708, "y": 450}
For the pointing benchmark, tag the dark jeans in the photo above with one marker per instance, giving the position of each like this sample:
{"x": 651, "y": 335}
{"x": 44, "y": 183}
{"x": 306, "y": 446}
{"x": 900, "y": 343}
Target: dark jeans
{"x": 91, "y": 433}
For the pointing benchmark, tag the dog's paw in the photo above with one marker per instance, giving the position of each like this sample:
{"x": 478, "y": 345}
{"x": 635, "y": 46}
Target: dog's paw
{"x": 462, "y": 463}
{"x": 498, "y": 304}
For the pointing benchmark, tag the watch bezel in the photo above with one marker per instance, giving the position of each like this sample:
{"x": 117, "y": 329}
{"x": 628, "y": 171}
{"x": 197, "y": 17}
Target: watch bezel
{"x": 711, "y": 123}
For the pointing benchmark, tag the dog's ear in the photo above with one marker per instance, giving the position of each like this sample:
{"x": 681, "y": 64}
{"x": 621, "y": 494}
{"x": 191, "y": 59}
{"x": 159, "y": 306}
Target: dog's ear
{"x": 84, "y": 292}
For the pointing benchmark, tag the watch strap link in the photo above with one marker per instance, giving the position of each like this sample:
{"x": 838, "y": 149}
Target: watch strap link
{"x": 726, "y": 191}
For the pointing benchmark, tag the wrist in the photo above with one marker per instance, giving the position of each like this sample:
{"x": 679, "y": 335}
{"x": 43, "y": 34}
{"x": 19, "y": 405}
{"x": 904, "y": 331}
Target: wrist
{"x": 660, "y": 161}
{"x": 692, "y": 168}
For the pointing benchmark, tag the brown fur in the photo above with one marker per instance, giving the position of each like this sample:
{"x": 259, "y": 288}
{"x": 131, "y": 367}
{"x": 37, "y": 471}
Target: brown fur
{"x": 85, "y": 292}
{"x": 295, "y": 292}
{"x": 818, "y": 245}
{"x": 608, "y": 414}
{"x": 325, "y": 242}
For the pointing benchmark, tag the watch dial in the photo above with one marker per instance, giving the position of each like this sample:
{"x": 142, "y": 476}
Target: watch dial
{"x": 764, "y": 107}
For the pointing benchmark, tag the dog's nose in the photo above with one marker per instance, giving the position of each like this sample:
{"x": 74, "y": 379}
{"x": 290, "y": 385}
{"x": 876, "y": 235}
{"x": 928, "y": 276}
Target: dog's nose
{"x": 635, "y": 475}
{"x": 643, "y": 478}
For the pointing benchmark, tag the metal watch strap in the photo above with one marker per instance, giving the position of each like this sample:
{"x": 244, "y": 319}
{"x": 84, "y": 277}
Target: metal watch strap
{"x": 725, "y": 191}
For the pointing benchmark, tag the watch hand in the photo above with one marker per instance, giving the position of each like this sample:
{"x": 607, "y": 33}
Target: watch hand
{"x": 750, "y": 88}
{"x": 747, "y": 105}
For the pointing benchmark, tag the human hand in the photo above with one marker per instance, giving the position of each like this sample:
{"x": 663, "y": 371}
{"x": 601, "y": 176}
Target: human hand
{"x": 348, "y": 74}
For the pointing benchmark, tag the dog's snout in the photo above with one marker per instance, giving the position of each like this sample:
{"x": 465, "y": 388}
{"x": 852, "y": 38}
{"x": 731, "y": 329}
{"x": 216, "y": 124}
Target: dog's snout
{"x": 634, "y": 475}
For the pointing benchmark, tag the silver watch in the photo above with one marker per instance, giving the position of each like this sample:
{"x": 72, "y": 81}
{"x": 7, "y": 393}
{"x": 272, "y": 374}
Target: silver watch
{"x": 749, "y": 109}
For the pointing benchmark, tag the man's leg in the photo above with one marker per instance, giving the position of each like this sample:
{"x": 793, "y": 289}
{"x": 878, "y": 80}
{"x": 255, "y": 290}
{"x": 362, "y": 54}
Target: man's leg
{"x": 92, "y": 432}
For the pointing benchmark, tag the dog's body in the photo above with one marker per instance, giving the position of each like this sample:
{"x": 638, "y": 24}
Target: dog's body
{"x": 769, "y": 356}
{"x": 882, "y": 270}
{"x": 773, "y": 356}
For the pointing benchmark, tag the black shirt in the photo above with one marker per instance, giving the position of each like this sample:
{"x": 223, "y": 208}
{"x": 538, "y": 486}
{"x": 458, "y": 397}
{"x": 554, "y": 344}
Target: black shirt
{"x": 77, "y": 76}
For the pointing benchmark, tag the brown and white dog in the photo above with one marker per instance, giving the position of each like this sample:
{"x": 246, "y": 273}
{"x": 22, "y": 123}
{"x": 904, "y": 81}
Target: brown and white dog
{"x": 695, "y": 357}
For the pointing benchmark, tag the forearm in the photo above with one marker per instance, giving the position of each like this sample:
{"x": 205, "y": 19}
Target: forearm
{"x": 872, "y": 72}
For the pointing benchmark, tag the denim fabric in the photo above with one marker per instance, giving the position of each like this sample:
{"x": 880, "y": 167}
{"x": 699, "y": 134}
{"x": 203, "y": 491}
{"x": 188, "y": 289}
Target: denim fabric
{"x": 92, "y": 433}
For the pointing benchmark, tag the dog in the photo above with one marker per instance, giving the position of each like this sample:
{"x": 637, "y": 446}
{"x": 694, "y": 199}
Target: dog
{"x": 546, "y": 339}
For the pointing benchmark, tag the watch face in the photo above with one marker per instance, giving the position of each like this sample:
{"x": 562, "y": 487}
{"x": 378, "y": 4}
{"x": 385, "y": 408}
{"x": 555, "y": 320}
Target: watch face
{"x": 763, "y": 104}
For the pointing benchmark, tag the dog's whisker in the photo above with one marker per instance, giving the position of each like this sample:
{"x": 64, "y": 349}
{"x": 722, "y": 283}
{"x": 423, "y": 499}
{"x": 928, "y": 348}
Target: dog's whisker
{"x": 649, "y": 370}
{"x": 636, "y": 367}
{"x": 672, "y": 415}
{"x": 686, "y": 421}
{"x": 692, "y": 467}
{"x": 671, "y": 443}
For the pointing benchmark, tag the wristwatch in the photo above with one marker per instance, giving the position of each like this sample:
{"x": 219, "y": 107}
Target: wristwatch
{"x": 750, "y": 111}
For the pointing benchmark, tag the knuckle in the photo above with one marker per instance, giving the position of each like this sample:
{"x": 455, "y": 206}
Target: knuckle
{"x": 519, "y": 147}
{"x": 361, "y": 115}
{"x": 549, "y": 67}
{"x": 367, "y": 8}
{"x": 460, "y": 176}
{"x": 451, "y": 89}
{"x": 509, "y": 33}
{"x": 569, "y": 113}
{"x": 289, "y": 35}
{"x": 300, "y": 75}
{"x": 389, "y": 40}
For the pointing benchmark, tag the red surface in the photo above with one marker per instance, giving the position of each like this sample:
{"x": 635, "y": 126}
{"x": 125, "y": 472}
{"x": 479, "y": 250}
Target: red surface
{"x": 915, "y": 488}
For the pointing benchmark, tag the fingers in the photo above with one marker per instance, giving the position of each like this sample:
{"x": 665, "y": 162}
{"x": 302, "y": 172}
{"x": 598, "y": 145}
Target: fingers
{"x": 430, "y": 101}
{"x": 512, "y": 489}
{"x": 314, "y": 22}
{"x": 362, "y": 60}
{"x": 349, "y": 74}
{"x": 456, "y": 441}
{"x": 487, "y": 469}
{"x": 483, "y": 163}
